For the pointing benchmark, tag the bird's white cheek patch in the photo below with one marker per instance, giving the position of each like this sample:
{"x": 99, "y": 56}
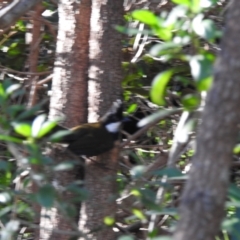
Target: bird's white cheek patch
{"x": 113, "y": 127}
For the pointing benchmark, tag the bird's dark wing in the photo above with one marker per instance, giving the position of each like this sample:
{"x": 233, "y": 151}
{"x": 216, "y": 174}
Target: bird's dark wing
{"x": 91, "y": 141}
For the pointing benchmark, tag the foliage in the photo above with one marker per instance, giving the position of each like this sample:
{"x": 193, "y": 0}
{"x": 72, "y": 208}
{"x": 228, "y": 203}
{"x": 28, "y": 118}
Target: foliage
{"x": 184, "y": 46}
{"x": 173, "y": 70}
{"x": 23, "y": 137}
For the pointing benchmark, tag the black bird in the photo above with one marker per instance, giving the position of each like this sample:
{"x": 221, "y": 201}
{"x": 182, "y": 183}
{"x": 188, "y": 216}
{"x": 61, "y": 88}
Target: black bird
{"x": 91, "y": 139}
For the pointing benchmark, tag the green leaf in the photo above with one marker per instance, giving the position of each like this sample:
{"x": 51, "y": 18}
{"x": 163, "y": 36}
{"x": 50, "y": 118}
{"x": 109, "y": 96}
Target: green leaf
{"x": 235, "y": 231}
{"x": 109, "y": 221}
{"x": 29, "y": 112}
{"x": 196, "y": 6}
{"x": 159, "y": 85}
{"x": 4, "y": 165}
{"x": 58, "y": 135}
{"x": 165, "y": 48}
{"x": 209, "y": 29}
{"x": 14, "y": 51}
{"x": 37, "y": 125}
{"x": 23, "y": 129}
{"x": 236, "y": 149}
{"x": 14, "y": 110}
{"x": 138, "y": 171}
{"x": 136, "y": 192}
{"x": 234, "y": 192}
{"x": 204, "y": 28}
{"x": 207, "y": 3}
{"x": 161, "y": 114}
{"x": 132, "y": 108}
{"x": 7, "y": 138}
{"x": 6, "y": 179}
{"x": 148, "y": 198}
{"x": 12, "y": 88}
{"x": 46, "y": 128}
{"x": 139, "y": 214}
{"x": 46, "y": 196}
{"x": 201, "y": 67}
{"x": 164, "y": 33}
{"x": 169, "y": 172}
{"x": 5, "y": 197}
{"x": 21, "y": 25}
{"x": 3, "y": 94}
{"x": 190, "y": 102}
{"x": 10, "y": 230}
{"x": 205, "y": 84}
{"x": 145, "y": 16}
{"x": 232, "y": 226}
{"x": 6, "y": 211}
{"x": 186, "y": 3}
{"x": 176, "y": 13}
{"x": 202, "y": 70}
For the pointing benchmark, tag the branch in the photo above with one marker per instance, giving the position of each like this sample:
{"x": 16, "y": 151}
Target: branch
{"x": 15, "y": 10}
{"x": 9, "y": 70}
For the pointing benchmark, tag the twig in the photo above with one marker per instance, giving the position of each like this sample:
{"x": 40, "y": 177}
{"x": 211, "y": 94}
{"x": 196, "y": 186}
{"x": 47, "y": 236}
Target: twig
{"x": 33, "y": 93}
{"x": 159, "y": 198}
{"x": 7, "y": 37}
{"x": 45, "y": 80}
{"x": 136, "y": 43}
{"x": 9, "y": 70}
{"x": 144, "y": 146}
{"x": 63, "y": 232}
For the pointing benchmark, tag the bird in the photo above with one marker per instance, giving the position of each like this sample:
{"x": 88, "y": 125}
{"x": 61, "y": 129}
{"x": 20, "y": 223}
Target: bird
{"x": 92, "y": 139}
{"x": 87, "y": 139}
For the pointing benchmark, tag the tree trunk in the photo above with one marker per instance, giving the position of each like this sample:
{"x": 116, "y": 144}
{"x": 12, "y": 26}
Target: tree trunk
{"x": 105, "y": 76}
{"x": 105, "y": 72}
{"x": 33, "y": 95}
{"x": 100, "y": 182}
{"x": 202, "y": 205}
{"x": 69, "y": 97}
{"x": 69, "y": 87}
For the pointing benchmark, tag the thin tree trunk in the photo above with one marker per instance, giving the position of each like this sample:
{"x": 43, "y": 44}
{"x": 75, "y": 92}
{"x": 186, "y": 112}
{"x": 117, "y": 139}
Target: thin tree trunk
{"x": 69, "y": 87}
{"x": 69, "y": 97}
{"x": 202, "y": 205}
{"x": 100, "y": 182}
{"x": 33, "y": 63}
{"x": 105, "y": 72}
{"x": 104, "y": 87}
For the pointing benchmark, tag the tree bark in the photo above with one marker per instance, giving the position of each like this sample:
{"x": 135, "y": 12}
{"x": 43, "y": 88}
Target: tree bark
{"x": 33, "y": 63}
{"x": 69, "y": 97}
{"x": 105, "y": 75}
{"x": 202, "y": 204}
{"x": 105, "y": 72}
{"x": 70, "y": 89}
{"x": 100, "y": 182}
